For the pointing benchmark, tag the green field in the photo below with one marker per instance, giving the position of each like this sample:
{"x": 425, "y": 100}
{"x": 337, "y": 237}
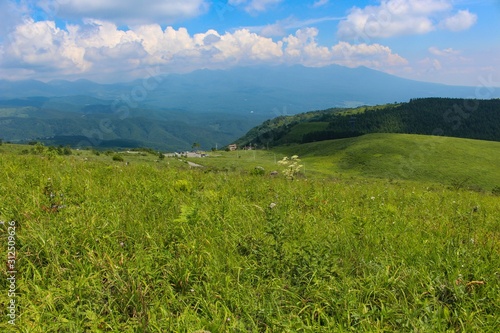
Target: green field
{"x": 452, "y": 161}
{"x": 151, "y": 245}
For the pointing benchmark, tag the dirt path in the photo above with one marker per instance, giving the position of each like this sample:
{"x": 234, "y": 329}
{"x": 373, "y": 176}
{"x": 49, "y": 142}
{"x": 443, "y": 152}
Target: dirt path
{"x": 194, "y": 165}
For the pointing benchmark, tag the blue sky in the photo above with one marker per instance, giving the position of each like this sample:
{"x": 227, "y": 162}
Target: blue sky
{"x": 445, "y": 41}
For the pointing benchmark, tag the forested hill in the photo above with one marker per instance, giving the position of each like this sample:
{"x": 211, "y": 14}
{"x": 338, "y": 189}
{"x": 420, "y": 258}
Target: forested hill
{"x": 463, "y": 118}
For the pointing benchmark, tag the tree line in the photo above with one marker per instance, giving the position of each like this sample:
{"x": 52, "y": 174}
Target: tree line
{"x": 463, "y": 118}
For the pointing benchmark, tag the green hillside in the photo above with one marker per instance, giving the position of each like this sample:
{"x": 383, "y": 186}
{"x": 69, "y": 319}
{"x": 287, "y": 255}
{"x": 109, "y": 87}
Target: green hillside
{"x": 463, "y": 118}
{"x": 82, "y": 121}
{"x": 298, "y": 131}
{"x": 405, "y": 156}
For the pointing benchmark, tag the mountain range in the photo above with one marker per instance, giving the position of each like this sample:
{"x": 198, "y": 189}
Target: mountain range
{"x": 210, "y": 107}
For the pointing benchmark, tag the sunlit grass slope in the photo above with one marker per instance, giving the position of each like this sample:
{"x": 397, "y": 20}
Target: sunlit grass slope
{"x": 460, "y": 162}
{"x": 153, "y": 246}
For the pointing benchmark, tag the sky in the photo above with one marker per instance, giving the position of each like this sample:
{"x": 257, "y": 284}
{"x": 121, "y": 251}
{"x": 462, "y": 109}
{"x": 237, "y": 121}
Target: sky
{"x": 453, "y": 42}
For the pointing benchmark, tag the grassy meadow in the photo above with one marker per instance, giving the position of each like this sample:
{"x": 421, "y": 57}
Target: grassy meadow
{"x": 453, "y": 161}
{"x": 151, "y": 245}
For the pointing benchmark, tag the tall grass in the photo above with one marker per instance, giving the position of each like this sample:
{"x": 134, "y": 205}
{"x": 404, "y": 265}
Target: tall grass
{"x": 154, "y": 247}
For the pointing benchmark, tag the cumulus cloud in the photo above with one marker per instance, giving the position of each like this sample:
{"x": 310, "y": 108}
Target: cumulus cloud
{"x": 126, "y": 11}
{"x": 44, "y": 46}
{"x": 100, "y": 48}
{"x": 402, "y": 17}
{"x": 463, "y": 20}
{"x": 303, "y": 48}
{"x": 373, "y": 56}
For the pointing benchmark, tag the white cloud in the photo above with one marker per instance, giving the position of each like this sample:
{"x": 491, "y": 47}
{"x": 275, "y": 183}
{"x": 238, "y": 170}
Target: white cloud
{"x": 373, "y": 56}
{"x": 129, "y": 12}
{"x": 244, "y": 45}
{"x": 42, "y": 45}
{"x": 280, "y": 28}
{"x": 402, "y": 17}
{"x": 463, "y": 20}
{"x": 99, "y": 48}
{"x": 302, "y": 48}
{"x": 443, "y": 52}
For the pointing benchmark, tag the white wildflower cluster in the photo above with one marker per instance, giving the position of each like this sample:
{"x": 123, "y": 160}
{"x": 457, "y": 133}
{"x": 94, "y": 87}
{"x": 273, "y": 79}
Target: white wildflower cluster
{"x": 292, "y": 166}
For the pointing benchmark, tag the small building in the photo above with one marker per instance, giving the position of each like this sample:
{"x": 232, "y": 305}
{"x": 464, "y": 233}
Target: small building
{"x": 232, "y": 147}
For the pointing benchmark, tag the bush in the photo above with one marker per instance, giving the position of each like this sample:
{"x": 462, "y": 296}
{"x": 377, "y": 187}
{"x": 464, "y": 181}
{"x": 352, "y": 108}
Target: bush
{"x": 258, "y": 171}
{"x": 117, "y": 158}
{"x": 39, "y": 148}
{"x": 67, "y": 150}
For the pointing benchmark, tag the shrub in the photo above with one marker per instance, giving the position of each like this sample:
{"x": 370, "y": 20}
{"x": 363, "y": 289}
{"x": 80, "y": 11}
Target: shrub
{"x": 39, "y": 148}
{"x": 67, "y": 150}
{"x": 258, "y": 171}
{"x": 117, "y": 158}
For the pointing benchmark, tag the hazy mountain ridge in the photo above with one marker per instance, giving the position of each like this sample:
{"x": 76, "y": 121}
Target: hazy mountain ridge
{"x": 214, "y": 106}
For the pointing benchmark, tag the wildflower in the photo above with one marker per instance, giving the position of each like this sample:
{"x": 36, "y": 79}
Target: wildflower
{"x": 292, "y": 166}
{"x": 373, "y": 198}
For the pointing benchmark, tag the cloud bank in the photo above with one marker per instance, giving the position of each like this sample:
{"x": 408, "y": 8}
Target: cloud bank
{"x": 116, "y": 40}
{"x": 403, "y": 17}
{"x": 41, "y": 48}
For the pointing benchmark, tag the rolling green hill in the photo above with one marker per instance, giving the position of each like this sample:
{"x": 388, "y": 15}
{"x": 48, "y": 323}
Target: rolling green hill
{"x": 453, "y": 161}
{"x": 465, "y": 118}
